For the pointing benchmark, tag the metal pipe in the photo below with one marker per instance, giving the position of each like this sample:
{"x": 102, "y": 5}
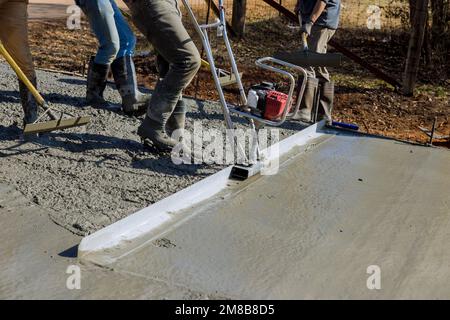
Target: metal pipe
{"x": 231, "y": 55}
{"x": 433, "y": 128}
{"x": 206, "y": 45}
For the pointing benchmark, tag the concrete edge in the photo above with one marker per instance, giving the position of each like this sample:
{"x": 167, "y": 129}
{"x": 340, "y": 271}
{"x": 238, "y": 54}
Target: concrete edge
{"x": 99, "y": 247}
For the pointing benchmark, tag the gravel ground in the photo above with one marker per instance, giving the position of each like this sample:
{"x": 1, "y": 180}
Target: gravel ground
{"x": 93, "y": 176}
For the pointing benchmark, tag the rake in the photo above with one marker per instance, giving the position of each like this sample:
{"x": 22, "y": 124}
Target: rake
{"x": 56, "y": 122}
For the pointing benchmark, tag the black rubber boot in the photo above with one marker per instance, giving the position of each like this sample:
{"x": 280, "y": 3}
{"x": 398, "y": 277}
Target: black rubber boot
{"x": 134, "y": 103}
{"x": 154, "y": 133}
{"x": 326, "y": 99}
{"x": 29, "y": 104}
{"x": 305, "y": 113}
{"x": 177, "y": 119}
{"x": 96, "y": 84}
{"x": 30, "y": 107}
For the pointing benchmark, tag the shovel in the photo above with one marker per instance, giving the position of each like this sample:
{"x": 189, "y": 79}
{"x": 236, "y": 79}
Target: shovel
{"x": 56, "y": 123}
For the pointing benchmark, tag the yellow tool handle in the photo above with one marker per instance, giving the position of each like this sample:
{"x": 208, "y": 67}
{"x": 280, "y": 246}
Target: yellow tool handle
{"x": 21, "y": 75}
{"x": 205, "y": 63}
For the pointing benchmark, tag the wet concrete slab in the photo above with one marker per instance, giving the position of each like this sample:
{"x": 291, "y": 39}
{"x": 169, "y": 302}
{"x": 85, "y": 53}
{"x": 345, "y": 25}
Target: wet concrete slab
{"x": 95, "y": 175}
{"x": 37, "y": 258}
{"x": 313, "y": 230}
{"x": 30, "y": 243}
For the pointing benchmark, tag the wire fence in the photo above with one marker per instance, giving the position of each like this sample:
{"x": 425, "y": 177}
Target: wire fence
{"x": 372, "y": 14}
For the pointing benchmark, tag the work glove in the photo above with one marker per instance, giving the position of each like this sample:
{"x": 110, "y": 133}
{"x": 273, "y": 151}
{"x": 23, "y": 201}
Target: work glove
{"x": 307, "y": 27}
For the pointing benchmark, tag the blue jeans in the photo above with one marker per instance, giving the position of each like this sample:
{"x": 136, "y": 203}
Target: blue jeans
{"x": 115, "y": 37}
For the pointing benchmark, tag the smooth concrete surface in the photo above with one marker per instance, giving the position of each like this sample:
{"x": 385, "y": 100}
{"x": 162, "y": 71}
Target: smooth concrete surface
{"x": 37, "y": 258}
{"x": 313, "y": 230}
{"x": 128, "y": 234}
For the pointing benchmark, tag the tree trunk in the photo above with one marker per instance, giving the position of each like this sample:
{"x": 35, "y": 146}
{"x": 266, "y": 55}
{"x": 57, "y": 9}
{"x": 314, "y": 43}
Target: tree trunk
{"x": 440, "y": 14}
{"x": 412, "y": 11}
{"x": 415, "y": 46}
{"x": 427, "y": 52}
{"x": 238, "y": 19}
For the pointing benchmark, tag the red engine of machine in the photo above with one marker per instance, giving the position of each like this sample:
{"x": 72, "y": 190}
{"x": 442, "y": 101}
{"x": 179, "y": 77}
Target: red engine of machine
{"x": 276, "y": 103}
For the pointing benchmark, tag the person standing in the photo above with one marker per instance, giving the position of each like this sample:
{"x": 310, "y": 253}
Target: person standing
{"x": 115, "y": 52}
{"x": 178, "y": 63}
{"x": 320, "y": 19}
{"x": 14, "y": 37}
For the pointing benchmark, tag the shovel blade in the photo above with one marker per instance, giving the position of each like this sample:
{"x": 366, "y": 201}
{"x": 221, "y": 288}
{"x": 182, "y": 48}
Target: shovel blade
{"x": 53, "y": 125}
{"x": 310, "y": 59}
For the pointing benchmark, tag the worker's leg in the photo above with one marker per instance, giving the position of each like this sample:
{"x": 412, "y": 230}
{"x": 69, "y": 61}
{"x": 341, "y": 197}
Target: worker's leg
{"x": 319, "y": 43}
{"x": 305, "y": 112}
{"x": 160, "y": 21}
{"x": 124, "y": 72}
{"x": 127, "y": 39}
{"x": 100, "y": 14}
{"x": 14, "y": 36}
{"x": 178, "y": 117}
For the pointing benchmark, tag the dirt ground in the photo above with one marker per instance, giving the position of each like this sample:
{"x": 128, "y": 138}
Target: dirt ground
{"x": 360, "y": 98}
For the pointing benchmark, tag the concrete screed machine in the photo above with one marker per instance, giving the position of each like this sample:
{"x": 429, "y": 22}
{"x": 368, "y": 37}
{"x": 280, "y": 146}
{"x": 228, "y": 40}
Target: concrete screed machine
{"x": 264, "y": 104}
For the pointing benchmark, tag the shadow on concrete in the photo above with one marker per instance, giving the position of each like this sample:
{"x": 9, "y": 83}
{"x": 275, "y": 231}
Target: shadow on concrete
{"x": 166, "y": 166}
{"x": 70, "y": 253}
{"x": 79, "y": 143}
{"x": 72, "y": 81}
{"x": 9, "y": 96}
{"x": 12, "y": 96}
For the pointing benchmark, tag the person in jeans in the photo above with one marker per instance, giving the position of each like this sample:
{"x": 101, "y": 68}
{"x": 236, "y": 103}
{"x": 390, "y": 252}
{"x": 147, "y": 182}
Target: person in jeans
{"x": 178, "y": 62}
{"x": 320, "y": 19}
{"x": 14, "y": 37}
{"x": 115, "y": 52}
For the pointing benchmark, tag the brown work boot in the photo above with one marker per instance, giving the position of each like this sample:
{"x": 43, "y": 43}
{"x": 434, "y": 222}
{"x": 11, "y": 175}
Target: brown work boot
{"x": 305, "y": 112}
{"x": 154, "y": 132}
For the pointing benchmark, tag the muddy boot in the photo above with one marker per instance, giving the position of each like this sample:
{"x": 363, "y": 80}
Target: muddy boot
{"x": 326, "y": 98}
{"x": 133, "y": 101}
{"x": 177, "y": 119}
{"x": 96, "y": 84}
{"x": 30, "y": 107}
{"x": 305, "y": 113}
{"x": 154, "y": 133}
